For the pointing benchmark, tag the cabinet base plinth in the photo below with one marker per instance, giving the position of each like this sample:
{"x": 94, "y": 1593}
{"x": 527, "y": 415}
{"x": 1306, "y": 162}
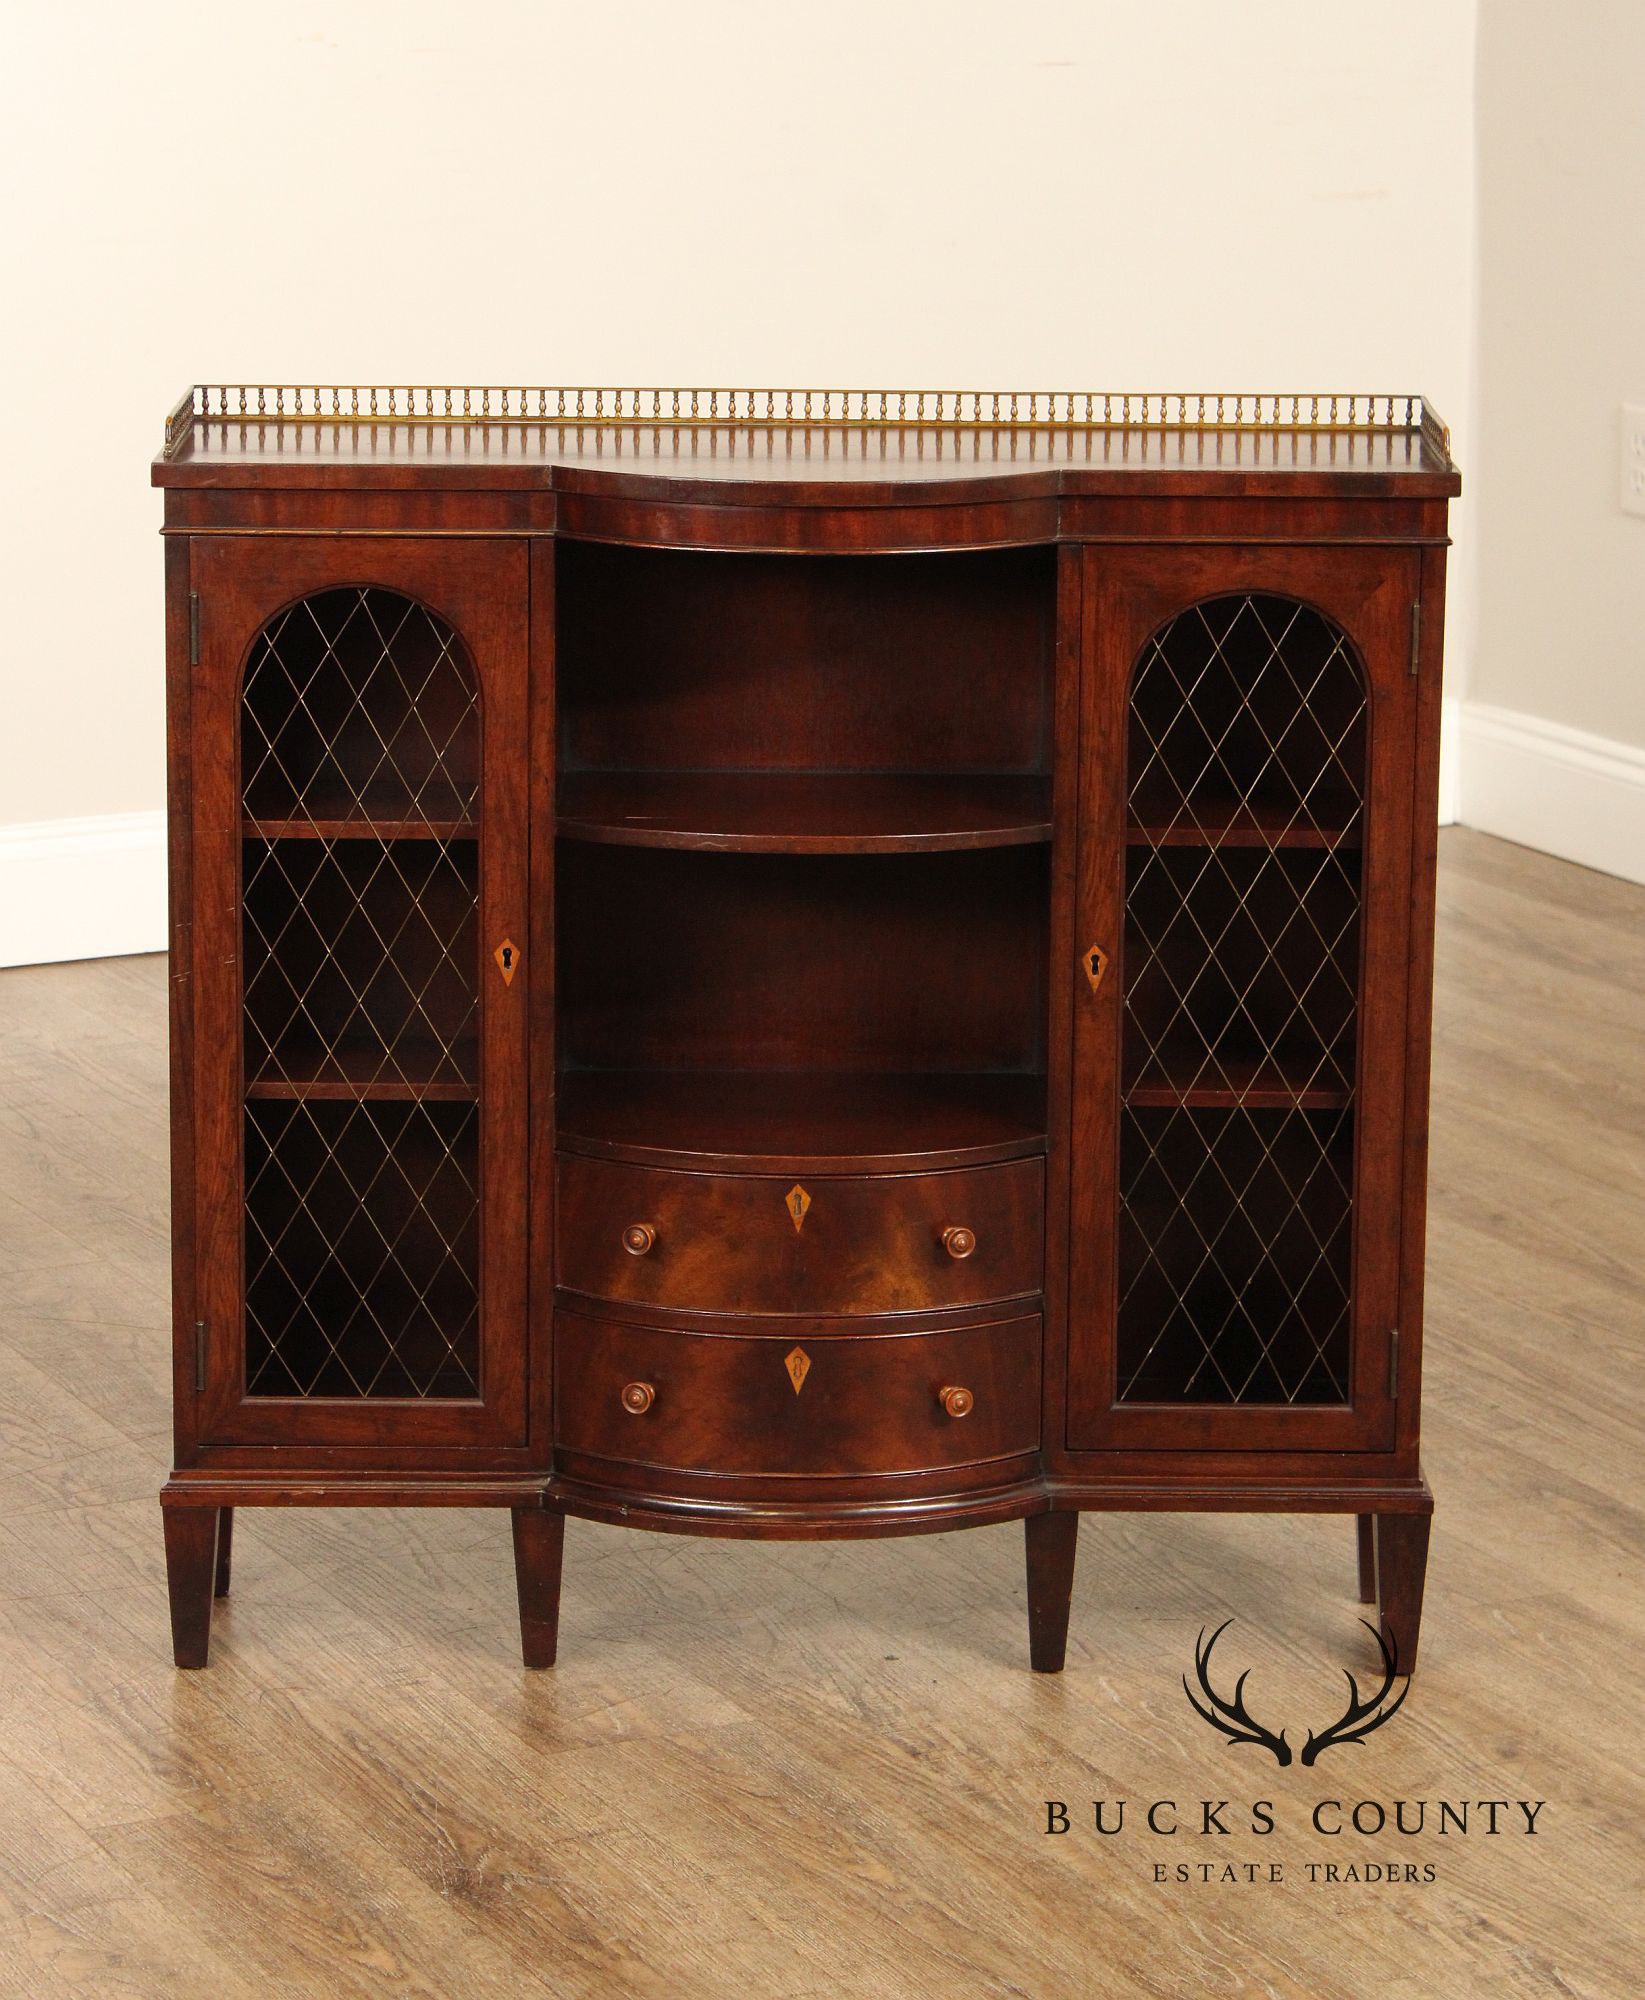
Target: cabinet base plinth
{"x": 228, "y": 1489}
{"x": 1392, "y": 1517}
{"x": 808, "y": 1520}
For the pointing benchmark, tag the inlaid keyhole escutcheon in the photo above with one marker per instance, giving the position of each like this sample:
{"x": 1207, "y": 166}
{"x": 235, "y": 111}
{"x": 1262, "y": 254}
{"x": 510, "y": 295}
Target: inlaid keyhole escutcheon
{"x": 798, "y": 1364}
{"x": 797, "y": 1202}
{"x": 507, "y": 956}
{"x": 1094, "y": 962}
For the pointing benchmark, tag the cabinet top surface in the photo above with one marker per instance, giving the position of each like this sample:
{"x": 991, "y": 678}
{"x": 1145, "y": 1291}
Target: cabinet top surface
{"x": 804, "y": 446}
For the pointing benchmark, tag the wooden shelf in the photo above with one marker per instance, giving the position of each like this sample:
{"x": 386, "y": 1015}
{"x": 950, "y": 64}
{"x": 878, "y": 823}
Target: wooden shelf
{"x": 1209, "y": 821}
{"x": 1256, "y": 1082}
{"x": 345, "y": 794}
{"x": 385, "y": 1089}
{"x": 366, "y": 1070}
{"x": 360, "y": 829}
{"x": 783, "y": 812}
{"x": 800, "y": 1121}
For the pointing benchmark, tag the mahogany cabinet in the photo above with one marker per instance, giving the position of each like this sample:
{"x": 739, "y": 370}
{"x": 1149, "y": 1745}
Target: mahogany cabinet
{"x": 800, "y": 963}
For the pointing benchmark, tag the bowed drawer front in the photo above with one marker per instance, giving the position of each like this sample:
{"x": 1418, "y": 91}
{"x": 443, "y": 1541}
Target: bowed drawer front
{"x": 797, "y": 1403}
{"x": 753, "y": 1243}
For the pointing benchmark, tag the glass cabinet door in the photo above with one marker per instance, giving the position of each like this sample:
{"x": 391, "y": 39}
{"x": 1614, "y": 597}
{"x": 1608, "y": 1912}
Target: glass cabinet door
{"x": 359, "y": 749}
{"x": 1240, "y": 1032}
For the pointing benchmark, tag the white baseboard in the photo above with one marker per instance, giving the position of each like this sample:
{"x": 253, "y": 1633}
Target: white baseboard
{"x": 82, "y": 888}
{"x": 1450, "y": 760}
{"x": 1573, "y": 795}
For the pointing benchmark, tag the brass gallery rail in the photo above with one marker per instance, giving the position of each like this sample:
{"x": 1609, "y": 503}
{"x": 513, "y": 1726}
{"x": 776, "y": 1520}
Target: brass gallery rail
{"x": 811, "y": 409}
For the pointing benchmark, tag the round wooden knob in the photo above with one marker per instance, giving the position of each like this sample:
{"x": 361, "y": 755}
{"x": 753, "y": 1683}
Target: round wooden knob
{"x": 638, "y": 1238}
{"x": 639, "y": 1396}
{"x": 957, "y": 1402}
{"x": 959, "y": 1243}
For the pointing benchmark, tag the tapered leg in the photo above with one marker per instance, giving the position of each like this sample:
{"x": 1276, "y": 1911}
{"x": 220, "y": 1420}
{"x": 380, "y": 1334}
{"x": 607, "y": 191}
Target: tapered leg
{"x": 1402, "y": 1569}
{"x": 1367, "y": 1525}
{"x": 539, "y": 1543}
{"x": 225, "y": 1545}
{"x": 191, "y": 1572}
{"x": 1051, "y": 1543}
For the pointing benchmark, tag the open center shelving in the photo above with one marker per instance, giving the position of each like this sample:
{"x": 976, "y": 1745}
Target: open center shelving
{"x": 753, "y": 969}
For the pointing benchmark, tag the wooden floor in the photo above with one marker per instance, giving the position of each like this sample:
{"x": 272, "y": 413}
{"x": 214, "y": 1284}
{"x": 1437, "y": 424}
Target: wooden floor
{"x": 793, "y": 1771}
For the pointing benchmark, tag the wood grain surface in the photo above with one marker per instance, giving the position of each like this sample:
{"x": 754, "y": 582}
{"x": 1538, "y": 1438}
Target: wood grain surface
{"x": 802, "y": 1771}
{"x": 728, "y": 1243}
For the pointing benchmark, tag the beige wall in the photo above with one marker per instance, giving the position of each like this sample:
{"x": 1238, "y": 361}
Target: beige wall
{"x": 1144, "y": 195}
{"x": 1561, "y": 570}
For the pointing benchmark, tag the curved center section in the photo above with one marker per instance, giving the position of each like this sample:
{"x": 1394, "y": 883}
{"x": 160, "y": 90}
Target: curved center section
{"x": 802, "y": 895}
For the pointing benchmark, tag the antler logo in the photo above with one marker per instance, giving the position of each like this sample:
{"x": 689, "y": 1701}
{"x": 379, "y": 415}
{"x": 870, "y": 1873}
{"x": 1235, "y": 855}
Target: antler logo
{"x": 1234, "y": 1721}
{"x": 1361, "y": 1717}
{"x": 1230, "y": 1717}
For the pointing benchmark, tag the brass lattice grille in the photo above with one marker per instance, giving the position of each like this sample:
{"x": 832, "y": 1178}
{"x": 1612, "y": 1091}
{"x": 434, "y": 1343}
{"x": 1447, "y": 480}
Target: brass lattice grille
{"x": 359, "y": 704}
{"x": 1234, "y": 1255}
{"x": 359, "y": 898}
{"x": 359, "y": 963}
{"x": 1243, "y": 879}
{"x": 361, "y": 1249}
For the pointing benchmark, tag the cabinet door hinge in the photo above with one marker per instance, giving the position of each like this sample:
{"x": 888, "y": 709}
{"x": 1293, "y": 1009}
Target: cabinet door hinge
{"x": 1393, "y": 1364}
{"x": 199, "y": 1354}
{"x": 1416, "y": 634}
{"x": 194, "y": 628}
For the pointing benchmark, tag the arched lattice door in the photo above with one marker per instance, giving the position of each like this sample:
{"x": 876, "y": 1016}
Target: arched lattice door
{"x": 1248, "y": 932}
{"x": 377, "y": 933}
{"x": 360, "y": 763}
{"x": 1241, "y": 963}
